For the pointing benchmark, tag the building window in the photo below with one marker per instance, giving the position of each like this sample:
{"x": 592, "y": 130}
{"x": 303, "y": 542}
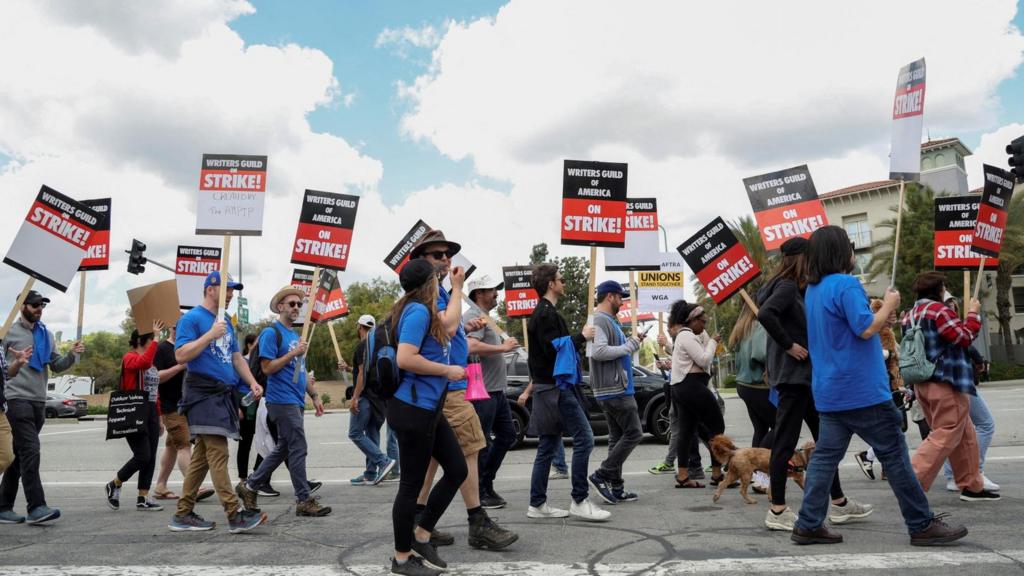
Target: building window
{"x": 927, "y": 163}
{"x": 1018, "y": 299}
{"x": 857, "y": 229}
{"x": 860, "y": 264}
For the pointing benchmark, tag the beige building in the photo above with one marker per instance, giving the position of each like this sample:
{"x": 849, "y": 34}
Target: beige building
{"x": 860, "y": 209}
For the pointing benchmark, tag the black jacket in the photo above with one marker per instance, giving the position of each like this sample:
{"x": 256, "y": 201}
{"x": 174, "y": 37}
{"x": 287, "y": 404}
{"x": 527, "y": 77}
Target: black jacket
{"x": 781, "y": 304}
{"x": 546, "y": 325}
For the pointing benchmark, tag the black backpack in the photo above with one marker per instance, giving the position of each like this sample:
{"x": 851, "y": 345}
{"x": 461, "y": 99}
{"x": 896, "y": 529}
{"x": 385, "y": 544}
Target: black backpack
{"x": 255, "y": 365}
{"x": 380, "y": 364}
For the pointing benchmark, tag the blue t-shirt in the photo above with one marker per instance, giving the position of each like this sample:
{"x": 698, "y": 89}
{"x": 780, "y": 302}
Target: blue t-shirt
{"x": 215, "y": 361}
{"x": 413, "y": 328}
{"x": 847, "y": 371}
{"x": 280, "y": 388}
{"x": 459, "y": 353}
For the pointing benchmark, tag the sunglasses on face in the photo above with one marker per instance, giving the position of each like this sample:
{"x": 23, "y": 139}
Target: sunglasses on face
{"x": 293, "y": 304}
{"x": 39, "y": 306}
{"x": 440, "y": 254}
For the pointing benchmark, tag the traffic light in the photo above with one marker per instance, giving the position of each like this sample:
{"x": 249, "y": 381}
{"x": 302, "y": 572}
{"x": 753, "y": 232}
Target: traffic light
{"x": 136, "y": 261}
{"x": 1016, "y": 151}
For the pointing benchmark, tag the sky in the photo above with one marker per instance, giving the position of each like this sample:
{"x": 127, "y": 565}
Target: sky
{"x": 460, "y": 113}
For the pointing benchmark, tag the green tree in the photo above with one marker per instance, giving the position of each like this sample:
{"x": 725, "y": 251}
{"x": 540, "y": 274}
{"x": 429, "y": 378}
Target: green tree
{"x": 573, "y": 306}
{"x": 1011, "y": 259}
{"x": 102, "y": 359}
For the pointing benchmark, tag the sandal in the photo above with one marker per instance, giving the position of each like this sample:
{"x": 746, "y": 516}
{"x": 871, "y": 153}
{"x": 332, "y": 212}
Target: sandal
{"x": 165, "y": 495}
{"x": 716, "y": 480}
{"x": 688, "y": 483}
{"x": 204, "y": 493}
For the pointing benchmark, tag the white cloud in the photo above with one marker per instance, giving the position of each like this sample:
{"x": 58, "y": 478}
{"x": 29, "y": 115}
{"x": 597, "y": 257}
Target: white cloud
{"x": 403, "y": 40}
{"x": 991, "y": 150}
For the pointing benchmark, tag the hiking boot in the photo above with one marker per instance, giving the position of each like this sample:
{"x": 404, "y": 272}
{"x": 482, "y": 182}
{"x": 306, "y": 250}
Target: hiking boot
{"x": 938, "y": 533}
{"x": 491, "y": 501}
{"x": 623, "y": 495}
{"x": 311, "y": 507}
{"x": 10, "y": 517}
{"x": 245, "y": 520}
{"x": 247, "y": 496}
{"x": 783, "y": 521}
{"x": 545, "y": 511}
{"x": 866, "y": 466}
{"x": 587, "y": 510}
{"x": 147, "y": 504}
{"x": 441, "y": 538}
{"x": 268, "y": 491}
{"x": 820, "y": 535}
{"x": 42, "y": 514}
{"x": 485, "y": 533}
{"x": 383, "y": 471}
{"x": 559, "y": 475}
{"x": 190, "y": 522}
{"x": 414, "y": 566}
{"x": 662, "y": 468}
{"x": 603, "y": 488}
{"x": 428, "y": 553}
{"x": 313, "y": 486}
{"x": 852, "y": 510}
{"x": 113, "y": 495}
{"x": 982, "y": 496}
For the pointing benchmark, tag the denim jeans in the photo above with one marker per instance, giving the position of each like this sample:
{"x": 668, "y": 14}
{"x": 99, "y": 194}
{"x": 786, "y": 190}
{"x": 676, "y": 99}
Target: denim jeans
{"x": 984, "y": 427}
{"x": 291, "y": 444}
{"x": 574, "y": 420}
{"x": 559, "y": 462}
{"x": 879, "y": 426}
{"x": 364, "y": 432}
{"x": 495, "y": 416}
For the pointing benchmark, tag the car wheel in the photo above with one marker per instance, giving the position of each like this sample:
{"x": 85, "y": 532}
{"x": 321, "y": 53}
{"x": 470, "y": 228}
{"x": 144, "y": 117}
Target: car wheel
{"x": 519, "y": 421}
{"x": 51, "y": 413}
{"x": 659, "y": 423}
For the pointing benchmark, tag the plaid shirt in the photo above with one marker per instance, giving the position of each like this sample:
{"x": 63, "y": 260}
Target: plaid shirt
{"x": 947, "y": 340}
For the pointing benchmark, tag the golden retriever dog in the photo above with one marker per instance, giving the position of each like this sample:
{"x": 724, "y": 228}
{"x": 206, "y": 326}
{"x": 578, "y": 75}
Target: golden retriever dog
{"x": 743, "y": 462}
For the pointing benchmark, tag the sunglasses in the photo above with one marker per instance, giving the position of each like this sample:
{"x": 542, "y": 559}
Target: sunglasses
{"x": 293, "y": 304}
{"x": 440, "y": 254}
{"x": 39, "y": 306}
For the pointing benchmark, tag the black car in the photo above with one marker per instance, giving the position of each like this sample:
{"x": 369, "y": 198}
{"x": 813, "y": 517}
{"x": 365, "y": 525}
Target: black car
{"x": 650, "y": 399}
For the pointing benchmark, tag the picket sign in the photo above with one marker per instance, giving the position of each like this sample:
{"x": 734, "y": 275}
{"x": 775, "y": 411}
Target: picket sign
{"x": 17, "y": 306}
{"x": 306, "y": 333}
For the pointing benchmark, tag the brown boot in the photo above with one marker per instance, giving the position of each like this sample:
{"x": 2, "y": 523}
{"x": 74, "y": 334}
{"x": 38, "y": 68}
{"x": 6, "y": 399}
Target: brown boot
{"x": 312, "y": 507}
{"x": 820, "y": 535}
{"x": 938, "y": 533}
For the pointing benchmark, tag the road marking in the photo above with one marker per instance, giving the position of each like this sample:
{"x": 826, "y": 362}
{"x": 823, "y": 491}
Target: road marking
{"x": 72, "y": 431}
{"x": 771, "y": 564}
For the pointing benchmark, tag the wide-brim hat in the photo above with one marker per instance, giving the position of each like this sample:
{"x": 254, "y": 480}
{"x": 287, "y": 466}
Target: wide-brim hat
{"x": 434, "y": 237}
{"x": 284, "y": 293}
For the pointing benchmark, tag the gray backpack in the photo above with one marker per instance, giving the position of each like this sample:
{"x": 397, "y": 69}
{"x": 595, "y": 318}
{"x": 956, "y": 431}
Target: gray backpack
{"x": 915, "y": 367}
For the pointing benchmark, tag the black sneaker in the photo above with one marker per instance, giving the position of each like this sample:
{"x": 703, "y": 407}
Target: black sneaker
{"x": 313, "y": 487}
{"x": 491, "y": 501}
{"x": 147, "y": 504}
{"x": 113, "y": 495}
{"x": 982, "y": 496}
{"x": 428, "y": 553}
{"x": 414, "y": 566}
{"x": 623, "y": 495}
{"x": 268, "y": 491}
{"x": 866, "y": 466}
{"x": 485, "y": 533}
{"x": 603, "y": 488}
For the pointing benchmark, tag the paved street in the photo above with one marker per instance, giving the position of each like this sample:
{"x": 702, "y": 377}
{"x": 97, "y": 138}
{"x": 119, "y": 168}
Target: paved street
{"x": 668, "y": 531}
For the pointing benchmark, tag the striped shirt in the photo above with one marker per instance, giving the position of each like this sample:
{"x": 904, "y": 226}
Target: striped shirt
{"x": 947, "y": 339}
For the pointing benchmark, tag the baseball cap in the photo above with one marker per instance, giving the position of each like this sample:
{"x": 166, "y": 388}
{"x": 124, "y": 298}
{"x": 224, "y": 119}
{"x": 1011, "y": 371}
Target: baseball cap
{"x": 611, "y": 287}
{"x": 483, "y": 283}
{"x": 213, "y": 279}
{"x": 367, "y": 321}
{"x": 35, "y": 298}
{"x": 415, "y": 273}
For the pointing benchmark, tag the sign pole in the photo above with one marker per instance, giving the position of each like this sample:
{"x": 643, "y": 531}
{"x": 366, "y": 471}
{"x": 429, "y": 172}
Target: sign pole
{"x": 899, "y": 225}
{"x": 17, "y": 306}
{"x": 526, "y": 338}
{"x": 635, "y": 304}
{"x": 225, "y": 259}
{"x": 593, "y": 283}
{"x": 967, "y": 289}
{"x": 661, "y": 323}
{"x": 306, "y": 330}
{"x": 977, "y": 283}
{"x": 81, "y": 309}
{"x": 750, "y": 301}
{"x": 334, "y": 340}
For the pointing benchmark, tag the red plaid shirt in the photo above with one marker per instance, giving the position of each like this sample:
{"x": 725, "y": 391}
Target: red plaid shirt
{"x": 947, "y": 339}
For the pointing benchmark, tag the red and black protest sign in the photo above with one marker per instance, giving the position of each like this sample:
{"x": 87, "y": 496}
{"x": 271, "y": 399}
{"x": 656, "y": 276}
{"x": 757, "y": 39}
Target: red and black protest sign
{"x": 720, "y": 262}
{"x": 330, "y": 300}
{"x": 231, "y": 195}
{"x": 642, "y": 251}
{"x": 191, "y": 267}
{"x": 785, "y": 204}
{"x": 399, "y": 255}
{"x": 303, "y": 280}
{"x": 625, "y": 314}
{"x": 53, "y": 239}
{"x": 954, "y": 232}
{"x": 995, "y": 201}
{"x": 97, "y": 254}
{"x": 325, "y": 229}
{"x": 594, "y": 204}
{"x": 520, "y": 297}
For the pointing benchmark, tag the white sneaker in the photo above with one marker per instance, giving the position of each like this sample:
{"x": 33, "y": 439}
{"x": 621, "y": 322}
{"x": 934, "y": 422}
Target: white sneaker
{"x": 852, "y": 510}
{"x": 951, "y": 486}
{"x": 783, "y": 521}
{"x": 587, "y": 510}
{"x": 545, "y": 511}
{"x": 990, "y": 485}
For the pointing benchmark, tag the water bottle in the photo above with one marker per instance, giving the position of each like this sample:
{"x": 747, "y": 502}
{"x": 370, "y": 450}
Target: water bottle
{"x": 248, "y": 399}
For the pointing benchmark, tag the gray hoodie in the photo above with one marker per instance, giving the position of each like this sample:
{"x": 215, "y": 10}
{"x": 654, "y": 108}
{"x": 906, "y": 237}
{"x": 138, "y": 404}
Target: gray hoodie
{"x": 30, "y": 384}
{"x": 607, "y": 376}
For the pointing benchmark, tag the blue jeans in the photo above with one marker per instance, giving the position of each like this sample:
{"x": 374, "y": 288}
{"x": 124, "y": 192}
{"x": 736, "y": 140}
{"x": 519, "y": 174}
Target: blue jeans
{"x": 559, "y": 462}
{"x": 879, "y": 426}
{"x": 574, "y": 420}
{"x": 495, "y": 416}
{"x": 364, "y": 432}
{"x": 984, "y": 427}
{"x": 291, "y": 444}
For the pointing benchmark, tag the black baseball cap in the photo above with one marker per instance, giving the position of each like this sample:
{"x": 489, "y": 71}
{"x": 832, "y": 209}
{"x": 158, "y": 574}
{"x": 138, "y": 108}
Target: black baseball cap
{"x": 35, "y": 298}
{"x": 415, "y": 273}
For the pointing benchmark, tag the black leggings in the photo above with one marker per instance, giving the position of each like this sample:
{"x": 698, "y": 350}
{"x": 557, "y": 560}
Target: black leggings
{"x": 695, "y": 404}
{"x": 247, "y": 429}
{"x": 144, "y": 446}
{"x": 422, "y": 435}
{"x": 760, "y": 410}
{"x": 796, "y": 406}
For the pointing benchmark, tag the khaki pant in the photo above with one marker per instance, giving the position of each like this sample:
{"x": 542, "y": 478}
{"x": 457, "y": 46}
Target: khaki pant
{"x": 6, "y": 443}
{"x": 952, "y": 436}
{"x": 210, "y": 454}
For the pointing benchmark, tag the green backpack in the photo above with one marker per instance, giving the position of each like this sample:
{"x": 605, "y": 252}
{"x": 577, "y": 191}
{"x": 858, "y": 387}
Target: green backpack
{"x": 915, "y": 367}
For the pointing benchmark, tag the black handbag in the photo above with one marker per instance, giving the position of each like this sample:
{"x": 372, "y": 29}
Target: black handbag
{"x": 127, "y": 410}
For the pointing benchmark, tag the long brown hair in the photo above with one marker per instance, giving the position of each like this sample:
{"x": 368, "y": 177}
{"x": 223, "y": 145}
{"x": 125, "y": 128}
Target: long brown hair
{"x": 425, "y": 294}
{"x": 743, "y": 327}
{"x": 793, "y": 267}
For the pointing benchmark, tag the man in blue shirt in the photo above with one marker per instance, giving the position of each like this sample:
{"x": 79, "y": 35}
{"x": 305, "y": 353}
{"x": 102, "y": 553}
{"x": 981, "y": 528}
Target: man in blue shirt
{"x": 281, "y": 355}
{"x": 209, "y": 346}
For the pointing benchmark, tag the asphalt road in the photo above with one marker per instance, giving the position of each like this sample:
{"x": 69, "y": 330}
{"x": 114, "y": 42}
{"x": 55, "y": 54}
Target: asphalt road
{"x": 668, "y": 531}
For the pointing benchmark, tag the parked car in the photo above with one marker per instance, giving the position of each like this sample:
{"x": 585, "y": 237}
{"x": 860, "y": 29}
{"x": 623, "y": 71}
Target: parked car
{"x": 650, "y": 399}
{"x": 65, "y": 406}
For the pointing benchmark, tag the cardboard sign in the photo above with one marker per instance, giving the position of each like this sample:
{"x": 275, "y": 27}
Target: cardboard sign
{"x": 594, "y": 204}
{"x": 785, "y": 205}
{"x": 954, "y": 231}
{"x": 97, "y": 254}
{"x": 399, "y": 255}
{"x": 154, "y": 301}
{"x": 625, "y": 314}
{"x": 53, "y": 239}
{"x": 191, "y": 267}
{"x": 330, "y": 301}
{"x": 642, "y": 251}
{"x": 325, "y": 229}
{"x": 231, "y": 193}
{"x": 720, "y": 262}
{"x": 303, "y": 280}
{"x": 657, "y": 290}
{"x": 995, "y": 201}
{"x": 520, "y": 297}
{"x": 907, "y": 120}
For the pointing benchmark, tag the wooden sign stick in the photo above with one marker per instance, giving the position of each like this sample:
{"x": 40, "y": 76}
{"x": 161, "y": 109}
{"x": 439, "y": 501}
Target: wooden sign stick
{"x": 526, "y": 338}
{"x": 17, "y": 307}
{"x": 899, "y": 226}
{"x": 225, "y": 259}
{"x": 661, "y": 323}
{"x": 977, "y": 283}
{"x": 749, "y": 301}
{"x": 81, "y": 310}
{"x": 632, "y": 296}
{"x": 967, "y": 289}
{"x": 334, "y": 340}
{"x": 592, "y": 286}
{"x": 306, "y": 331}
